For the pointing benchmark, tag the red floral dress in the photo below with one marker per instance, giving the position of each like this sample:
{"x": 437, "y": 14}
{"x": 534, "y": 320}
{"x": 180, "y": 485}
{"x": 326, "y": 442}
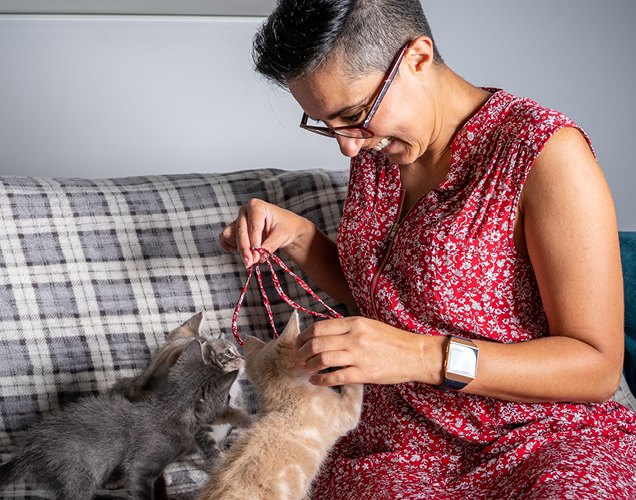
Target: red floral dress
{"x": 450, "y": 267}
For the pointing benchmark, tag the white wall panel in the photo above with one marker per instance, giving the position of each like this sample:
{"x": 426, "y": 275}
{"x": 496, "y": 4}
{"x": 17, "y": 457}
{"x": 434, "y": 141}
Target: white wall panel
{"x": 108, "y": 96}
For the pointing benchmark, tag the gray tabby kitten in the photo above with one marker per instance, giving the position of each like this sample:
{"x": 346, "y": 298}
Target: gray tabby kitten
{"x": 223, "y": 354}
{"x": 75, "y": 450}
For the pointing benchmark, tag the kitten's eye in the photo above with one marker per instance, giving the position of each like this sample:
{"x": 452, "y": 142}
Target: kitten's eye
{"x": 229, "y": 353}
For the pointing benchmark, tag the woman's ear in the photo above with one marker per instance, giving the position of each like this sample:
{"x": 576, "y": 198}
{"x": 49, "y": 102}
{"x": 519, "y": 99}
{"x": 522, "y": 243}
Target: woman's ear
{"x": 420, "y": 55}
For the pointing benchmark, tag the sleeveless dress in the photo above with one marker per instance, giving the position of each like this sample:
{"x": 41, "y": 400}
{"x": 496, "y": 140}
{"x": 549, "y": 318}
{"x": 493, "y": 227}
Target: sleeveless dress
{"x": 451, "y": 267}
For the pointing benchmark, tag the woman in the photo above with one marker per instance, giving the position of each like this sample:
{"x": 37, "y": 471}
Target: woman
{"x": 479, "y": 242}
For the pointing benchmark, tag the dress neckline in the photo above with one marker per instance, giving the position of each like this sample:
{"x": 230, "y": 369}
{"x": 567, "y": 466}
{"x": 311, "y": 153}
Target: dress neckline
{"x": 462, "y": 143}
{"x": 481, "y": 121}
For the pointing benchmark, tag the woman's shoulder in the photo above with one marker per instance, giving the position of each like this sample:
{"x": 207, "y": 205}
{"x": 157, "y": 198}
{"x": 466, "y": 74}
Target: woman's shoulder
{"x": 524, "y": 119}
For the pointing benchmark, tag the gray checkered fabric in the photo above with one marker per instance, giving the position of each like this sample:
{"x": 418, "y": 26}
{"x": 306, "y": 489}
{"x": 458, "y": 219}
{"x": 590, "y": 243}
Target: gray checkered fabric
{"x": 95, "y": 273}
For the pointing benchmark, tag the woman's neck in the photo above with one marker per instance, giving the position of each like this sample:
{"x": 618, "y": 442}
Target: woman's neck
{"x": 455, "y": 102}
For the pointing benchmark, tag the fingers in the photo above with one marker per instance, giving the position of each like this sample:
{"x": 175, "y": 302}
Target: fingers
{"x": 329, "y": 359}
{"x": 227, "y": 239}
{"x": 308, "y": 342}
{"x": 325, "y": 351}
{"x": 361, "y": 350}
{"x": 324, "y": 345}
{"x": 248, "y": 230}
{"x": 233, "y": 238}
{"x": 254, "y": 221}
{"x": 343, "y": 376}
{"x": 320, "y": 329}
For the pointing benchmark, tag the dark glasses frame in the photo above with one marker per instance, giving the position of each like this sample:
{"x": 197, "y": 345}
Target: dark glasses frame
{"x": 360, "y": 131}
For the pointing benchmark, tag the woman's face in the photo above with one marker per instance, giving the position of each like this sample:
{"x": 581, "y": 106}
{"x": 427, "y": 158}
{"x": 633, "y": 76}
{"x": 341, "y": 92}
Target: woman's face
{"x": 402, "y": 130}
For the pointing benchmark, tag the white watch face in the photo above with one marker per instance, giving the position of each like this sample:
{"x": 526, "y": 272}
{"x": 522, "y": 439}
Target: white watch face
{"x": 462, "y": 360}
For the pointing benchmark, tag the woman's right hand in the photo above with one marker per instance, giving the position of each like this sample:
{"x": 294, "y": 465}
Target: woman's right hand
{"x": 261, "y": 224}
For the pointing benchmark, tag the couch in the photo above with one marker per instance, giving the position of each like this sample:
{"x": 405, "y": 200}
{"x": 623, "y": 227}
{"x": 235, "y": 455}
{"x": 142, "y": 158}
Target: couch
{"x": 95, "y": 273}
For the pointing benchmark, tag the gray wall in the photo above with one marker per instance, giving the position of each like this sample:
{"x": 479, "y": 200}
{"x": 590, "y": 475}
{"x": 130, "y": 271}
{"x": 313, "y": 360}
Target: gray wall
{"x": 101, "y": 96}
{"x": 163, "y": 7}
{"x": 109, "y": 96}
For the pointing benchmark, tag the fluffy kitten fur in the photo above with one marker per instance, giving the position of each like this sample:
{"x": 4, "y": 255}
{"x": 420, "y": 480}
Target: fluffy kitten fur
{"x": 75, "y": 450}
{"x": 223, "y": 354}
{"x": 278, "y": 457}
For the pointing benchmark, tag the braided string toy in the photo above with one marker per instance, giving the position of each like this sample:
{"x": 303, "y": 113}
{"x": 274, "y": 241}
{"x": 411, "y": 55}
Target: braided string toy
{"x": 267, "y": 255}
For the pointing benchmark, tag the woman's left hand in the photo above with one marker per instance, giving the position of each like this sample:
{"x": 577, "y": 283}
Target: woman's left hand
{"x": 368, "y": 352}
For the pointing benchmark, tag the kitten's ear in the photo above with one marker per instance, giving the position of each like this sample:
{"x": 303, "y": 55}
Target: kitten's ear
{"x": 193, "y": 353}
{"x": 252, "y": 346}
{"x": 291, "y": 331}
{"x": 215, "y": 336}
{"x": 225, "y": 381}
{"x": 188, "y": 329}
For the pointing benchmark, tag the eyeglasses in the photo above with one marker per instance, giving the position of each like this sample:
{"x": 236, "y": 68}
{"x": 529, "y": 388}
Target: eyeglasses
{"x": 359, "y": 131}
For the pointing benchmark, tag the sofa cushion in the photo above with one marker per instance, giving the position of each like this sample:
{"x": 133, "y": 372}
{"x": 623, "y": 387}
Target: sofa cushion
{"x": 95, "y": 273}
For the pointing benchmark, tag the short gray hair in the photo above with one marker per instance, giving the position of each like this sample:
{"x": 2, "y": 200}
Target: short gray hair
{"x": 302, "y": 35}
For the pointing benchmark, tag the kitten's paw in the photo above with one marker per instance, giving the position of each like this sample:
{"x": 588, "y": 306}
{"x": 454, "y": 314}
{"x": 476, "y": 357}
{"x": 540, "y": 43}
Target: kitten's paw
{"x": 243, "y": 419}
{"x": 230, "y": 438}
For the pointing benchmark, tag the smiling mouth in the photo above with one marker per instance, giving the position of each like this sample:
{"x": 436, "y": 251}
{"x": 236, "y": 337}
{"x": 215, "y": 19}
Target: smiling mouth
{"x": 384, "y": 143}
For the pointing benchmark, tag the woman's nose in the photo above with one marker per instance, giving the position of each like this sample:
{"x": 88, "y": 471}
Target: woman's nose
{"x": 349, "y": 146}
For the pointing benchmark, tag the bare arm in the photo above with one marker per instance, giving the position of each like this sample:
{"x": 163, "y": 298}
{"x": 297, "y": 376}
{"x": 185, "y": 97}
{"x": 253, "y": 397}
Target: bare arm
{"x": 568, "y": 230}
{"x": 570, "y": 233}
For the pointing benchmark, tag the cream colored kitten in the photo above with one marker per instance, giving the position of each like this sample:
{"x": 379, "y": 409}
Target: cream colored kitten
{"x": 280, "y": 454}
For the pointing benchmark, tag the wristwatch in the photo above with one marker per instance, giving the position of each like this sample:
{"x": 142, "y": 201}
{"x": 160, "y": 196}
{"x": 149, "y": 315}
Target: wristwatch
{"x": 460, "y": 364}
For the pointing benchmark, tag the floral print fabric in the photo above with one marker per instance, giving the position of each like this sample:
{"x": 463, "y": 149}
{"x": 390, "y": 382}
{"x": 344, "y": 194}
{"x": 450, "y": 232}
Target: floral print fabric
{"x": 451, "y": 267}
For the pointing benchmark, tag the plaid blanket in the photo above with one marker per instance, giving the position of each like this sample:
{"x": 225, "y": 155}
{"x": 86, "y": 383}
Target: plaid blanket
{"x": 95, "y": 273}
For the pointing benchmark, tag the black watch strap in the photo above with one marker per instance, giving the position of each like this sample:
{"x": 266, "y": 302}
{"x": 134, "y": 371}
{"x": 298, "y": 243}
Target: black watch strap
{"x": 451, "y": 385}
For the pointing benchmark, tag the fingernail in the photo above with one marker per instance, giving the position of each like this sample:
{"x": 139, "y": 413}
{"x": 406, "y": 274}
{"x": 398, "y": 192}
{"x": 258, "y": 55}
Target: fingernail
{"x": 246, "y": 262}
